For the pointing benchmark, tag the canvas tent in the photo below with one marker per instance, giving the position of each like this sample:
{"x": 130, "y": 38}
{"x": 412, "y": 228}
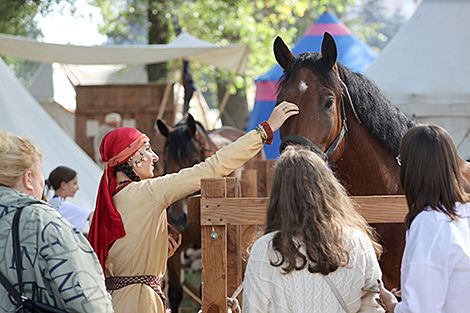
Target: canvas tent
{"x": 23, "y": 115}
{"x": 229, "y": 57}
{"x": 424, "y": 69}
{"x": 53, "y": 86}
{"x": 352, "y": 53}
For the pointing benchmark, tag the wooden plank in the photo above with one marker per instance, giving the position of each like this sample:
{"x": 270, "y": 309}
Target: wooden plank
{"x": 234, "y": 273}
{"x": 249, "y": 184}
{"x": 249, "y": 211}
{"x": 269, "y": 176}
{"x": 382, "y": 209}
{"x": 214, "y": 269}
{"x": 194, "y": 209}
{"x": 214, "y": 253}
{"x": 260, "y": 167}
{"x": 238, "y": 211}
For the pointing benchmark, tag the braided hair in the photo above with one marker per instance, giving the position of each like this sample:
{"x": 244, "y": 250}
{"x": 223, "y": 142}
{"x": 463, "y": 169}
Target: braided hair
{"x": 128, "y": 170}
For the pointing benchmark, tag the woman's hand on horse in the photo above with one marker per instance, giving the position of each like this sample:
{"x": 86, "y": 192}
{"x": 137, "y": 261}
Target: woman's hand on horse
{"x": 281, "y": 113}
{"x": 173, "y": 245}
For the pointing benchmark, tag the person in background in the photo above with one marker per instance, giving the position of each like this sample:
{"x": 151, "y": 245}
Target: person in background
{"x": 129, "y": 229}
{"x": 64, "y": 181}
{"x": 59, "y": 266}
{"x": 435, "y": 269}
{"x": 111, "y": 121}
{"x": 318, "y": 254}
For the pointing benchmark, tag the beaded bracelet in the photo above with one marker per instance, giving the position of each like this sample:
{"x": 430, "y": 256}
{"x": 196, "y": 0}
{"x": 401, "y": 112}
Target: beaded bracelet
{"x": 262, "y": 132}
{"x": 266, "y": 133}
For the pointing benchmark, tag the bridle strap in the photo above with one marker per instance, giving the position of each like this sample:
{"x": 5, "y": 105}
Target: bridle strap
{"x": 293, "y": 138}
{"x": 343, "y": 132}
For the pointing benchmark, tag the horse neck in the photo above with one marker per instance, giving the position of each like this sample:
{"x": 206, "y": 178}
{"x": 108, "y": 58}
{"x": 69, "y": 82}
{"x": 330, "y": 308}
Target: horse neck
{"x": 366, "y": 166}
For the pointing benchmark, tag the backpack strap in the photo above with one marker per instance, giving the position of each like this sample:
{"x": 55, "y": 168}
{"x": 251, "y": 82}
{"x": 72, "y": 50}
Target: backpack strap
{"x": 17, "y": 248}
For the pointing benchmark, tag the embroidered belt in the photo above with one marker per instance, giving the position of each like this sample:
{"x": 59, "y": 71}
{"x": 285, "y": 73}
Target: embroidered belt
{"x": 154, "y": 282}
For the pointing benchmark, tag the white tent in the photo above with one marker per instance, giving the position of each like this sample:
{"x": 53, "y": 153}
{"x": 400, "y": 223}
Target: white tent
{"x": 21, "y": 114}
{"x": 424, "y": 69}
{"x": 229, "y": 57}
{"x": 53, "y": 86}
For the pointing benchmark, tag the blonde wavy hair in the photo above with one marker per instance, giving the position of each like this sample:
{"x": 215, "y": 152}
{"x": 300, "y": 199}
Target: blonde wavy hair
{"x": 17, "y": 156}
{"x": 309, "y": 204}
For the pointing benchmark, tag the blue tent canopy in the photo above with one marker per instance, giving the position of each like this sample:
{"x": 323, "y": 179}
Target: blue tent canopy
{"x": 352, "y": 53}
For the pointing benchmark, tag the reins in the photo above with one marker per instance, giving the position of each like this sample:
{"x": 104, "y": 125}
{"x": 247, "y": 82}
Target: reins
{"x": 293, "y": 138}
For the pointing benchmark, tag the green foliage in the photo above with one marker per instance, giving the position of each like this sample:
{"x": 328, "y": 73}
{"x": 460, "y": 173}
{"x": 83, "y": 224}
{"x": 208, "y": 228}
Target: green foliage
{"x": 17, "y": 17}
{"x": 255, "y": 23}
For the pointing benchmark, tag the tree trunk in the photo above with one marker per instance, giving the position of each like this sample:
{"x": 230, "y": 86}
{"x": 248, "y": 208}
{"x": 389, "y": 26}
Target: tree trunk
{"x": 158, "y": 34}
{"x": 236, "y": 110}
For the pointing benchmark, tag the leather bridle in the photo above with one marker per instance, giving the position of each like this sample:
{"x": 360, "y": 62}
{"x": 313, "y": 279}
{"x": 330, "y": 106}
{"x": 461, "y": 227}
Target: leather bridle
{"x": 343, "y": 133}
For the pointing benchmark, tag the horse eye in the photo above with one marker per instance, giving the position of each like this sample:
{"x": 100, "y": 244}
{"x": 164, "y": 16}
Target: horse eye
{"x": 329, "y": 102}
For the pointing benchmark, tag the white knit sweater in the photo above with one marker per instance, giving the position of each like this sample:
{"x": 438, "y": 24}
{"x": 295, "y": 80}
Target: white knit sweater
{"x": 267, "y": 289}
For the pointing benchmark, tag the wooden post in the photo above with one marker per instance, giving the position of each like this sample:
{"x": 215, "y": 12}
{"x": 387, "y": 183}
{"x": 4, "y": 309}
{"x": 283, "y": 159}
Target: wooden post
{"x": 264, "y": 173}
{"x": 249, "y": 184}
{"x": 214, "y": 248}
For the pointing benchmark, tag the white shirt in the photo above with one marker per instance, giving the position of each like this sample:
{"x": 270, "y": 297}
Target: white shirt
{"x": 77, "y": 216}
{"x": 435, "y": 270}
{"x": 267, "y": 289}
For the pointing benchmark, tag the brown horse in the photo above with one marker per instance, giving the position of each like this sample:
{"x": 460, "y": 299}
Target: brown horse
{"x": 188, "y": 144}
{"x": 348, "y": 121}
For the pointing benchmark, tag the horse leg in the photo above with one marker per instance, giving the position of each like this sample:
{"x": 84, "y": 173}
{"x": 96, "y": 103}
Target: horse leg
{"x": 392, "y": 237}
{"x": 175, "y": 289}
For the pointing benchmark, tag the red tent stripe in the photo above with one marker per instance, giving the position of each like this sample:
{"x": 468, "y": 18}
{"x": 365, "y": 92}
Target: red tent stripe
{"x": 335, "y": 29}
{"x": 266, "y": 91}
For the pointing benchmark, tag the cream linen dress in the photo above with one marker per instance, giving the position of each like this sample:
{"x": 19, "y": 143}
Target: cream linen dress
{"x": 143, "y": 250}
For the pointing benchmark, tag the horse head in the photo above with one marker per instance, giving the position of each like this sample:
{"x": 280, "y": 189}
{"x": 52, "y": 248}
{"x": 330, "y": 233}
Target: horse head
{"x": 187, "y": 144}
{"x": 312, "y": 81}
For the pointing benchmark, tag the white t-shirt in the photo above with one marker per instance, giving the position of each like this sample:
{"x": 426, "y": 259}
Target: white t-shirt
{"x": 76, "y": 215}
{"x": 267, "y": 289}
{"x": 435, "y": 270}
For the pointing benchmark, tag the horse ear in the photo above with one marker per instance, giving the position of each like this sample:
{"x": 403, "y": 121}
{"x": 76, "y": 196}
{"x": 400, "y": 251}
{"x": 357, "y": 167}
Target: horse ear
{"x": 164, "y": 129}
{"x": 282, "y": 53}
{"x": 328, "y": 50}
{"x": 191, "y": 123}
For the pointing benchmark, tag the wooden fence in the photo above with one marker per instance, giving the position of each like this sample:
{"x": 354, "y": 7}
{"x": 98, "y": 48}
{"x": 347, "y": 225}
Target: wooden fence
{"x": 228, "y": 209}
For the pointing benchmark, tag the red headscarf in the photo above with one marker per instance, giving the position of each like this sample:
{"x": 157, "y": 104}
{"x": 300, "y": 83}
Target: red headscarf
{"x": 106, "y": 227}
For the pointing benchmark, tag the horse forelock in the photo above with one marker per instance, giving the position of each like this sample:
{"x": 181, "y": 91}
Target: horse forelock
{"x": 314, "y": 62}
{"x": 385, "y": 122}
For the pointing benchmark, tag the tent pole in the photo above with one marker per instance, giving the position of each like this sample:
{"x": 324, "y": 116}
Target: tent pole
{"x": 227, "y": 92}
{"x": 166, "y": 94}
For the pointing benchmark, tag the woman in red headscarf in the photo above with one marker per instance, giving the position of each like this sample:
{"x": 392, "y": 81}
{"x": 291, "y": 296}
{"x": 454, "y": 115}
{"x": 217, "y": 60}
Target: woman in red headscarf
{"x": 129, "y": 228}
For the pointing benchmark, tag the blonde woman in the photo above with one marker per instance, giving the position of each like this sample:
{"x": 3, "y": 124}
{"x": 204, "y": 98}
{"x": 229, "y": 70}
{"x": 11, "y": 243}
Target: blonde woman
{"x": 59, "y": 266}
{"x": 318, "y": 253}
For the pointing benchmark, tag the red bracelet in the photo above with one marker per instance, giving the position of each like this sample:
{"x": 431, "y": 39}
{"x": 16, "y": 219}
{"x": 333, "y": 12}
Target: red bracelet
{"x": 269, "y": 132}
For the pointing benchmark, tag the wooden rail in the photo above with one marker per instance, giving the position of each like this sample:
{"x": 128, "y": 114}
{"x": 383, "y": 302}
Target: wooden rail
{"x": 223, "y": 213}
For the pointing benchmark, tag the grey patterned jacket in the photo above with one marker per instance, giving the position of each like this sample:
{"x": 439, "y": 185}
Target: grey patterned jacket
{"x": 59, "y": 265}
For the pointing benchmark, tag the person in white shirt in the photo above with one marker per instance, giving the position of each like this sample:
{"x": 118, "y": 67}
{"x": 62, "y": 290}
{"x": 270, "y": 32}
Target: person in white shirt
{"x": 64, "y": 181}
{"x": 435, "y": 269}
{"x": 315, "y": 245}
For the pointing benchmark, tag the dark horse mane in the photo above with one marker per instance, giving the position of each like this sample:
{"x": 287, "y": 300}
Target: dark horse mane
{"x": 385, "y": 122}
{"x": 180, "y": 142}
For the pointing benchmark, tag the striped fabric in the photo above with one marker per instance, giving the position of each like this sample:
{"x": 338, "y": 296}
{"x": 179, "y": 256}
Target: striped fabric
{"x": 154, "y": 282}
